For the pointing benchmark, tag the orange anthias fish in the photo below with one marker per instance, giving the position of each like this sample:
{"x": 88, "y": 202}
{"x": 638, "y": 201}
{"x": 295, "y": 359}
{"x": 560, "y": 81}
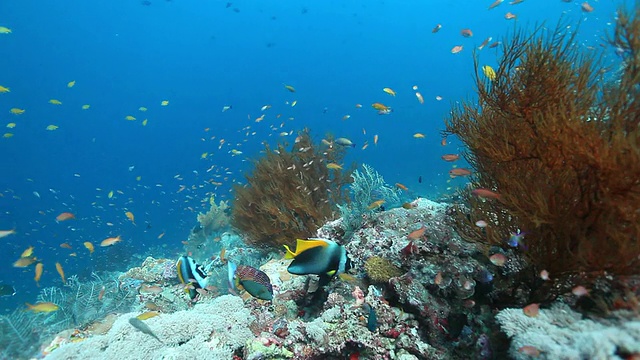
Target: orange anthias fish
{"x": 89, "y": 247}
{"x": 42, "y": 307}
{"x": 459, "y": 172}
{"x": 65, "y": 216}
{"x": 111, "y": 241}
{"x": 466, "y": 33}
{"x": 450, "y": 157}
{"x": 456, "y": 49}
{"x": 485, "y": 193}
{"x": 130, "y": 216}
{"x": 39, "y": 268}
{"x": 375, "y": 204}
{"x": 495, "y": 3}
{"x": 380, "y": 107}
{"x": 24, "y": 262}
{"x": 61, "y": 272}
{"x": 401, "y": 187}
{"x": 417, "y": 234}
{"x": 66, "y": 246}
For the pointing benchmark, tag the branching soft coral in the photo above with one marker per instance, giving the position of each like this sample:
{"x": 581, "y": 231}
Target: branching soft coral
{"x": 290, "y": 194}
{"x": 562, "y": 148}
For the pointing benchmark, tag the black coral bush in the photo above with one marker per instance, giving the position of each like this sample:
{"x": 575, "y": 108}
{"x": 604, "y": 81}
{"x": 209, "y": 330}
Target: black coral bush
{"x": 562, "y": 148}
{"x": 290, "y": 193}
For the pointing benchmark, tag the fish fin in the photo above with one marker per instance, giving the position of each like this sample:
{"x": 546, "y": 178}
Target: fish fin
{"x": 303, "y": 245}
{"x": 331, "y": 273}
{"x": 232, "y": 274}
{"x": 290, "y": 254}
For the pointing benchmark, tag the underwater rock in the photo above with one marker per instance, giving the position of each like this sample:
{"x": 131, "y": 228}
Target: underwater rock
{"x": 151, "y": 271}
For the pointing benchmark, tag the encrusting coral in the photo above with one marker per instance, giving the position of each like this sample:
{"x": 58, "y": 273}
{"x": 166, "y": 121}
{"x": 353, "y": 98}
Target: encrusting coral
{"x": 560, "y": 150}
{"x": 290, "y": 193}
{"x": 380, "y": 270}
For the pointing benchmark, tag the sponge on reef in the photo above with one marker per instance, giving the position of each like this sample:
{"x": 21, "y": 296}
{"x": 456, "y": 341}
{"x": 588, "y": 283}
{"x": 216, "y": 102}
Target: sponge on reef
{"x": 380, "y": 270}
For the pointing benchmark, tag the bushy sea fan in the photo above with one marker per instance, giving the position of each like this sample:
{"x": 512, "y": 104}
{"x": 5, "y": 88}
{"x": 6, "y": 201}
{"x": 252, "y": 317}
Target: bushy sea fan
{"x": 367, "y": 187}
{"x": 17, "y": 336}
{"x": 80, "y": 303}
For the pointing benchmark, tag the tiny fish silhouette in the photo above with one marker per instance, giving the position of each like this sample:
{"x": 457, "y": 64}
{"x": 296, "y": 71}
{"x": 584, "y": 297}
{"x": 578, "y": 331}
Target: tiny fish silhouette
{"x": 140, "y": 325}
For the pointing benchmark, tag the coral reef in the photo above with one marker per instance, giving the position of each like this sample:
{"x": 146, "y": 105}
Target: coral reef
{"x": 560, "y": 149}
{"x": 561, "y": 333}
{"x": 290, "y": 194}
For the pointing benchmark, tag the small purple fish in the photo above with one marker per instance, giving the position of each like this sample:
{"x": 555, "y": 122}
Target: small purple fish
{"x": 516, "y": 239}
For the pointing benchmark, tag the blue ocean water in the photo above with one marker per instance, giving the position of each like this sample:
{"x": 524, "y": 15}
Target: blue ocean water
{"x": 201, "y": 56}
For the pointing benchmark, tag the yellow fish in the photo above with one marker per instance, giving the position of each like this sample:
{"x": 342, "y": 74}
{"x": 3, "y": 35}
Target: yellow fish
{"x": 389, "y": 91}
{"x": 489, "y": 72}
{"x": 164, "y": 102}
{"x": 110, "y": 241}
{"x": 138, "y": 178}
{"x": 142, "y": 108}
{"x": 290, "y": 88}
{"x": 28, "y": 252}
{"x": 24, "y": 262}
{"x": 89, "y": 247}
{"x": 55, "y": 102}
{"x": 16, "y": 111}
{"x": 11, "y": 125}
{"x": 418, "y": 136}
{"x": 235, "y": 152}
{"x": 61, "y": 272}
{"x": 144, "y": 122}
{"x": 71, "y": 83}
{"x": 204, "y": 155}
{"x": 130, "y": 216}
{"x": 7, "y": 135}
{"x": 110, "y": 195}
{"x": 4, "y": 89}
{"x": 4, "y": 233}
{"x": 42, "y": 307}
{"x": 39, "y": 268}
{"x": 5, "y": 30}
{"x": 375, "y": 204}
{"x": 129, "y": 117}
{"x": 147, "y": 315}
{"x": 380, "y": 107}
{"x": 52, "y": 127}
{"x": 85, "y": 107}
{"x": 334, "y": 166}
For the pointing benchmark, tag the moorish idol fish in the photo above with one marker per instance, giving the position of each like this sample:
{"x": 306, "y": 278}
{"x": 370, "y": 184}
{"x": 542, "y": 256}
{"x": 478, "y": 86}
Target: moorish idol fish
{"x": 191, "y": 273}
{"x": 254, "y": 281}
{"x": 318, "y": 257}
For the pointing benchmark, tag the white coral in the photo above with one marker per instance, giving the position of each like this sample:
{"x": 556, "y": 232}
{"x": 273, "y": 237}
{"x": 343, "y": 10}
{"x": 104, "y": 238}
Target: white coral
{"x": 219, "y": 328}
{"x": 560, "y": 333}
